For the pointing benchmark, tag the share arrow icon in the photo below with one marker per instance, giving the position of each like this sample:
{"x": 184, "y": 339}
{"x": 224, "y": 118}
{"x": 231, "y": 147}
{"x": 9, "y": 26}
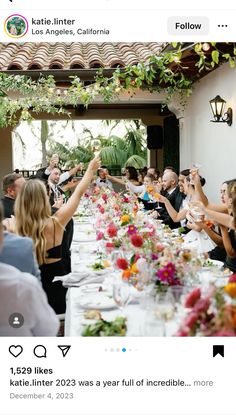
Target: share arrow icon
{"x": 64, "y": 349}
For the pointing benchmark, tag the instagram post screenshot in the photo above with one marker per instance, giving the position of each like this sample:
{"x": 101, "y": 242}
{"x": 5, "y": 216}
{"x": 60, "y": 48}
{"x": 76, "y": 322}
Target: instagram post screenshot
{"x": 117, "y": 210}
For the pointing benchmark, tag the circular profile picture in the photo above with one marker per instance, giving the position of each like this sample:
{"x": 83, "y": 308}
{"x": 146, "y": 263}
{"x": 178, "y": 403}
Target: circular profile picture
{"x": 16, "y": 26}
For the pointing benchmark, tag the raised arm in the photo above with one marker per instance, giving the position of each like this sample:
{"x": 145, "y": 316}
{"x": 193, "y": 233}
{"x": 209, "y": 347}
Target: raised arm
{"x": 220, "y": 217}
{"x": 116, "y": 180}
{"x": 198, "y": 192}
{"x": 176, "y": 216}
{"x": 66, "y": 212}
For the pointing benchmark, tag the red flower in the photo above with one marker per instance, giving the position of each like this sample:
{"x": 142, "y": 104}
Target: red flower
{"x": 104, "y": 197}
{"x": 192, "y": 298}
{"x": 110, "y": 246}
{"x": 101, "y": 210}
{"x": 232, "y": 278}
{"x": 122, "y": 263}
{"x": 136, "y": 240}
{"x": 111, "y": 230}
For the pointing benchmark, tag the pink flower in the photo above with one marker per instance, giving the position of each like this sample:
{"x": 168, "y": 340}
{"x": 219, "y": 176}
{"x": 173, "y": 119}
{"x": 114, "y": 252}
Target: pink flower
{"x": 122, "y": 263}
{"x": 192, "y": 298}
{"x": 136, "y": 257}
{"x": 191, "y": 320}
{"x": 167, "y": 274}
{"x": 100, "y": 235}
{"x": 182, "y": 332}
{"x": 136, "y": 240}
{"x": 224, "y": 333}
{"x": 232, "y": 278}
{"x": 111, "y": 230}
{"x": 160, "y": 247}
{"x": 202, "y": 305}
{"x": 132, "y": 229}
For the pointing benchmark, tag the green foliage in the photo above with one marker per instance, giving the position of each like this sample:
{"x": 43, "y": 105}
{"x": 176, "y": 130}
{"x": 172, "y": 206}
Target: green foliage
{"x": 164, "y": 72}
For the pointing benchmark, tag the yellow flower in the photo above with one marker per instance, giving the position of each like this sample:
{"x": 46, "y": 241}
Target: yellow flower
{"x": 125, "y": 218}
{"x": 106, "y": 263}
{"x": 134, "y": 269}
{"x": 230, "y": 289}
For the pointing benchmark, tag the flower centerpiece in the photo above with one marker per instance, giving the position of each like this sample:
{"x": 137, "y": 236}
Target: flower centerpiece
{"x": 211, "y": 314}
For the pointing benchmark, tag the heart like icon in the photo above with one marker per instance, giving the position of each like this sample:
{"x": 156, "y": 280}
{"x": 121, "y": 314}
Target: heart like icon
{"x": 15, "y": 350}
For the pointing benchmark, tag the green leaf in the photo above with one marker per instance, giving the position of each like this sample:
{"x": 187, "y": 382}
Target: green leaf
{"x": 215, "y": 56}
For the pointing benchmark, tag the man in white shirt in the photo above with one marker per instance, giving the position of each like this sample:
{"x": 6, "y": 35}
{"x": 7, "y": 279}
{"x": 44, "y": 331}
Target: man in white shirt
{"x": 22, "y": 293}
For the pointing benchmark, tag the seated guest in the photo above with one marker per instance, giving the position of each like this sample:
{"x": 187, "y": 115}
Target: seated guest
{"x": 147, "y": 196}
{"x": 141, "y": 174}
{"x": 12, "y": 183}
{"x": 102, "y": 180}
{"x": 177, "y": 214}
{"x": 21, "y": 293}
{"x": 18, "y": 251}
{"x": 154, "y": 172}
{"x": 33, "y": 219}
{"x": 131, "y": 181}
{"x": 172, "y": 193}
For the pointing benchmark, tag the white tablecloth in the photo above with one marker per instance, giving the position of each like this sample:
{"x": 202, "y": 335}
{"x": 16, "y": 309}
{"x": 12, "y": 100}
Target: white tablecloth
{"x": 84, "y": 248}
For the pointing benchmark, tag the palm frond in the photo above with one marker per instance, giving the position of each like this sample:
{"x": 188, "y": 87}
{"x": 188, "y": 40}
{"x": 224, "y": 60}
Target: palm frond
{"x": 136, "y": 161}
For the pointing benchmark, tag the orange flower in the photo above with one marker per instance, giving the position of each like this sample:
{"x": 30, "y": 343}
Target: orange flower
{"x": 230, "y": 289}
{"x": 126, "y": 274}
{"x": 125, "y": 218}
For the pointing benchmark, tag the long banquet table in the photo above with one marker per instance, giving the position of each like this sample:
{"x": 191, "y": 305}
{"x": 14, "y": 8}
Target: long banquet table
{"x": 84, "y": 249}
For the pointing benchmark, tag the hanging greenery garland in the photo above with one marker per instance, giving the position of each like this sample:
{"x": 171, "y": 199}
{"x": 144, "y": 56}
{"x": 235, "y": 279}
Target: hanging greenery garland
{"x": 21, "y": 97}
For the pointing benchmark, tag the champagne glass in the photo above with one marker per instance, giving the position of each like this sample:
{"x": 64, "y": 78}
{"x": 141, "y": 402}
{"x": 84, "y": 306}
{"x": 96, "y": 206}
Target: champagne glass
{"x": 157, "y": 196}
{"x": 96, "y": 147}
{"x": 194, "y": 169}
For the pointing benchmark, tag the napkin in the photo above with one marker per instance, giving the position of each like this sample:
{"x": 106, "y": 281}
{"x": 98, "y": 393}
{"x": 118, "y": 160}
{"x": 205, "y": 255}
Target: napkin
{"x": 77, "y": 279}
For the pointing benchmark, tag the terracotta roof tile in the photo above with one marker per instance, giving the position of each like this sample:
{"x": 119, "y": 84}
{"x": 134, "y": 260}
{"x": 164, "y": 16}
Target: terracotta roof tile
{"x": 66, "y": 56}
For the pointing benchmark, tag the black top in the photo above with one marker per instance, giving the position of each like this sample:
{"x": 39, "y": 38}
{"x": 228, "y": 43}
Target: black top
{"x": 8, "y": 206}
{"x": 176, "y": 198}
{"x": 231, "y": 262}
{"x": 56, "y": 251}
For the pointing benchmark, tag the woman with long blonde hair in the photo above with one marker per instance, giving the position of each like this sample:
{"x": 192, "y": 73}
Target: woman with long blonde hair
{"x": 33, "y": 219}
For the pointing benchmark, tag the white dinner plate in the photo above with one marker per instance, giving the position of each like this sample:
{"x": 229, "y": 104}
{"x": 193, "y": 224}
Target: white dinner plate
{"x": 97, "y": 300}
{"x": 213, "y": 263}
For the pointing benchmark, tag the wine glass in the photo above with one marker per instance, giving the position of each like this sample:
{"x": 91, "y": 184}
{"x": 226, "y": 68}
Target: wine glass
{"x": 116, "y": 254}
{"x": 96, "y": 147}
{"x": 165, "y": 307}
{"x": 153, "y": 326}
{"x": 121, "y": 294}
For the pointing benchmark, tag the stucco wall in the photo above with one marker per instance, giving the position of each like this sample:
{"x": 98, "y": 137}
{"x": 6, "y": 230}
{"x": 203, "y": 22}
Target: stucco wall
{"x": 213, "y": 145}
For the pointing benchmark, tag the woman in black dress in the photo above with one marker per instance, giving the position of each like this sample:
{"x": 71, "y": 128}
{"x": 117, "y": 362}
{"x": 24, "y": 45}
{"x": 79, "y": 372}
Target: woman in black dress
{"x": 33, "y": 219}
